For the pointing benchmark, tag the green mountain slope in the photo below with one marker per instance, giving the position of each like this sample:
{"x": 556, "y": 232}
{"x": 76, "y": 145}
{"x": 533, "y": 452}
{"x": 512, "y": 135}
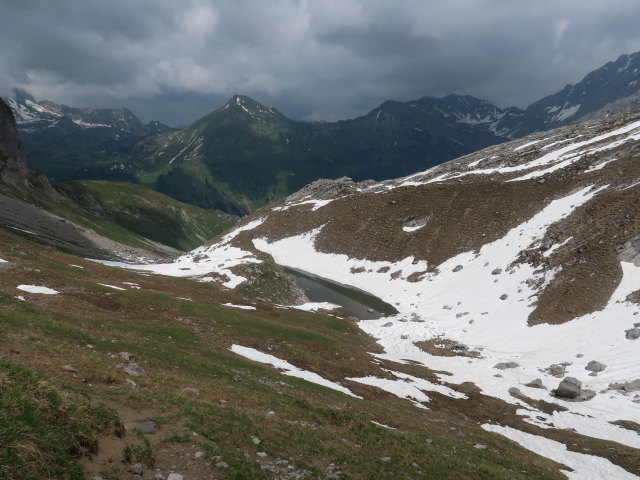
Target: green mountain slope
{"x": 147, "y": 213}
{"x": 244, "y": 155}
{"x": 128, "y": 214}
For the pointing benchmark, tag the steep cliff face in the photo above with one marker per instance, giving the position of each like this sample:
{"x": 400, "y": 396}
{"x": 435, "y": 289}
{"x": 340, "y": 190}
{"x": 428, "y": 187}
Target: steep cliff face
{"x": 17, "y": 178}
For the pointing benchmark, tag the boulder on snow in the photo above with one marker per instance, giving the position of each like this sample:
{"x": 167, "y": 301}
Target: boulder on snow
{"x": 595, "y": 367}
{"x": 505, "y": 365}
{"x": 556, "y": 370}
{"x": 537, "y": 383}
{"x": 632, "y": 386}
{"x": 632, "y": 333}
{"x": 569, "y": 387}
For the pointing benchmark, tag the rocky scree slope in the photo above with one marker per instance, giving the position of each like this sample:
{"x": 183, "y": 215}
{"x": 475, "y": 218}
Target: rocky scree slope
{"x": 515, "y": 269}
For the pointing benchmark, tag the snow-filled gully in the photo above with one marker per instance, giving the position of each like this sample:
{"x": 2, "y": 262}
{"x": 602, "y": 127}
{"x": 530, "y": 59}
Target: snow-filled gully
{"x": 467, "y": 302}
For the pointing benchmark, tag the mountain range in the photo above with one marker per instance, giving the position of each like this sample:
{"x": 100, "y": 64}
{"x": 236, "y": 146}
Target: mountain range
{"x": 66, "y": 143}
{"x": 244, "y": 154}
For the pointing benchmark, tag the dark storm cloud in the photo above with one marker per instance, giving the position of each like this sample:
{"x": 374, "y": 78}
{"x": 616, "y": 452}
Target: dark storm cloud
{"x": 327, "y": 59}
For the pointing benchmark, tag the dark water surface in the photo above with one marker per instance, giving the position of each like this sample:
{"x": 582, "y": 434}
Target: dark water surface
{"x": 353, "y": 301}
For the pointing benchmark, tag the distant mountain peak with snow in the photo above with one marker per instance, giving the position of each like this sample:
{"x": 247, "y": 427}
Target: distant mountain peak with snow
{"x": 34, "y": 114}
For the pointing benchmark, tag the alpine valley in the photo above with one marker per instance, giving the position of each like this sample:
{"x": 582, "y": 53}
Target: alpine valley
{"x": 143, "y": 337}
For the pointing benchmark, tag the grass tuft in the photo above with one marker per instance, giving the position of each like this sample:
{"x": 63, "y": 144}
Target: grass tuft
{"x": 44, "y": 430}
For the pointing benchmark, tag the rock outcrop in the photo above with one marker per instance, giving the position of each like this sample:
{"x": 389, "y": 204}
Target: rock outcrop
{"x": 15, "y": 173}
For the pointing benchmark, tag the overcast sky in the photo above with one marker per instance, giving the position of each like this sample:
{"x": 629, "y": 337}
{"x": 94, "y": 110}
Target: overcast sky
{"x": 175, "y": 60}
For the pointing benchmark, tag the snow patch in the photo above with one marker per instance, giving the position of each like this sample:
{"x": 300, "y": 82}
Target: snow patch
{"x": 315, "y": 306}
{"x": 522, "y": 147}
{"x": 83, "y": 124}
{"x": 408, "y": 387}
{"x": 413, "y": 229}
{"x": 585, "y": 467}
{"x": 217, "y": 259}
{"x": 566, "y": 113}
{"x": 289, "y": 369}
{"x": 241, "y": 307}
{"x": 111, "y": 286}
{"x": 37, "y": 289}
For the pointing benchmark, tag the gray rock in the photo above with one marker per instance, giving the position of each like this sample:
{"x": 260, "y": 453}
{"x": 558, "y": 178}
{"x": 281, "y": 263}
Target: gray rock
{"x": 537, "y": 383}
{"x": 125, "y": 356}
{"x": 505, "y": 365}
{"x": 595, "y": 367}
{"x": 457, "y": 268}
{"x": 255, "y": 440}
{"x": 175, "y": 476}
{"x": 158, "y": 476}
{"x": 198, "y": 455}
{"x": 514, "y": 391}
{"x": 137, "y": 469}
{"x": 147, "y": 428}
{"x": 69, "y": 368}
{"x": 194, "y": 392}
{"x": 632, "y": 386}
{"x": 479, "y": 446}
{"x": 219, "y": 465}
{"x": 135, "y": 370}
{"x": 632, "y": 333}
{"x": 585, "y": 395}
{"x": 556, "y": 370}
{"x": 323, "y": 188}
{"x": 385, "y": 459}
{"x": 569, "y": 387}
{"x": 496, "y": 271}
{"x": 504, "y": 296}
{"x": 630, "y": 251}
